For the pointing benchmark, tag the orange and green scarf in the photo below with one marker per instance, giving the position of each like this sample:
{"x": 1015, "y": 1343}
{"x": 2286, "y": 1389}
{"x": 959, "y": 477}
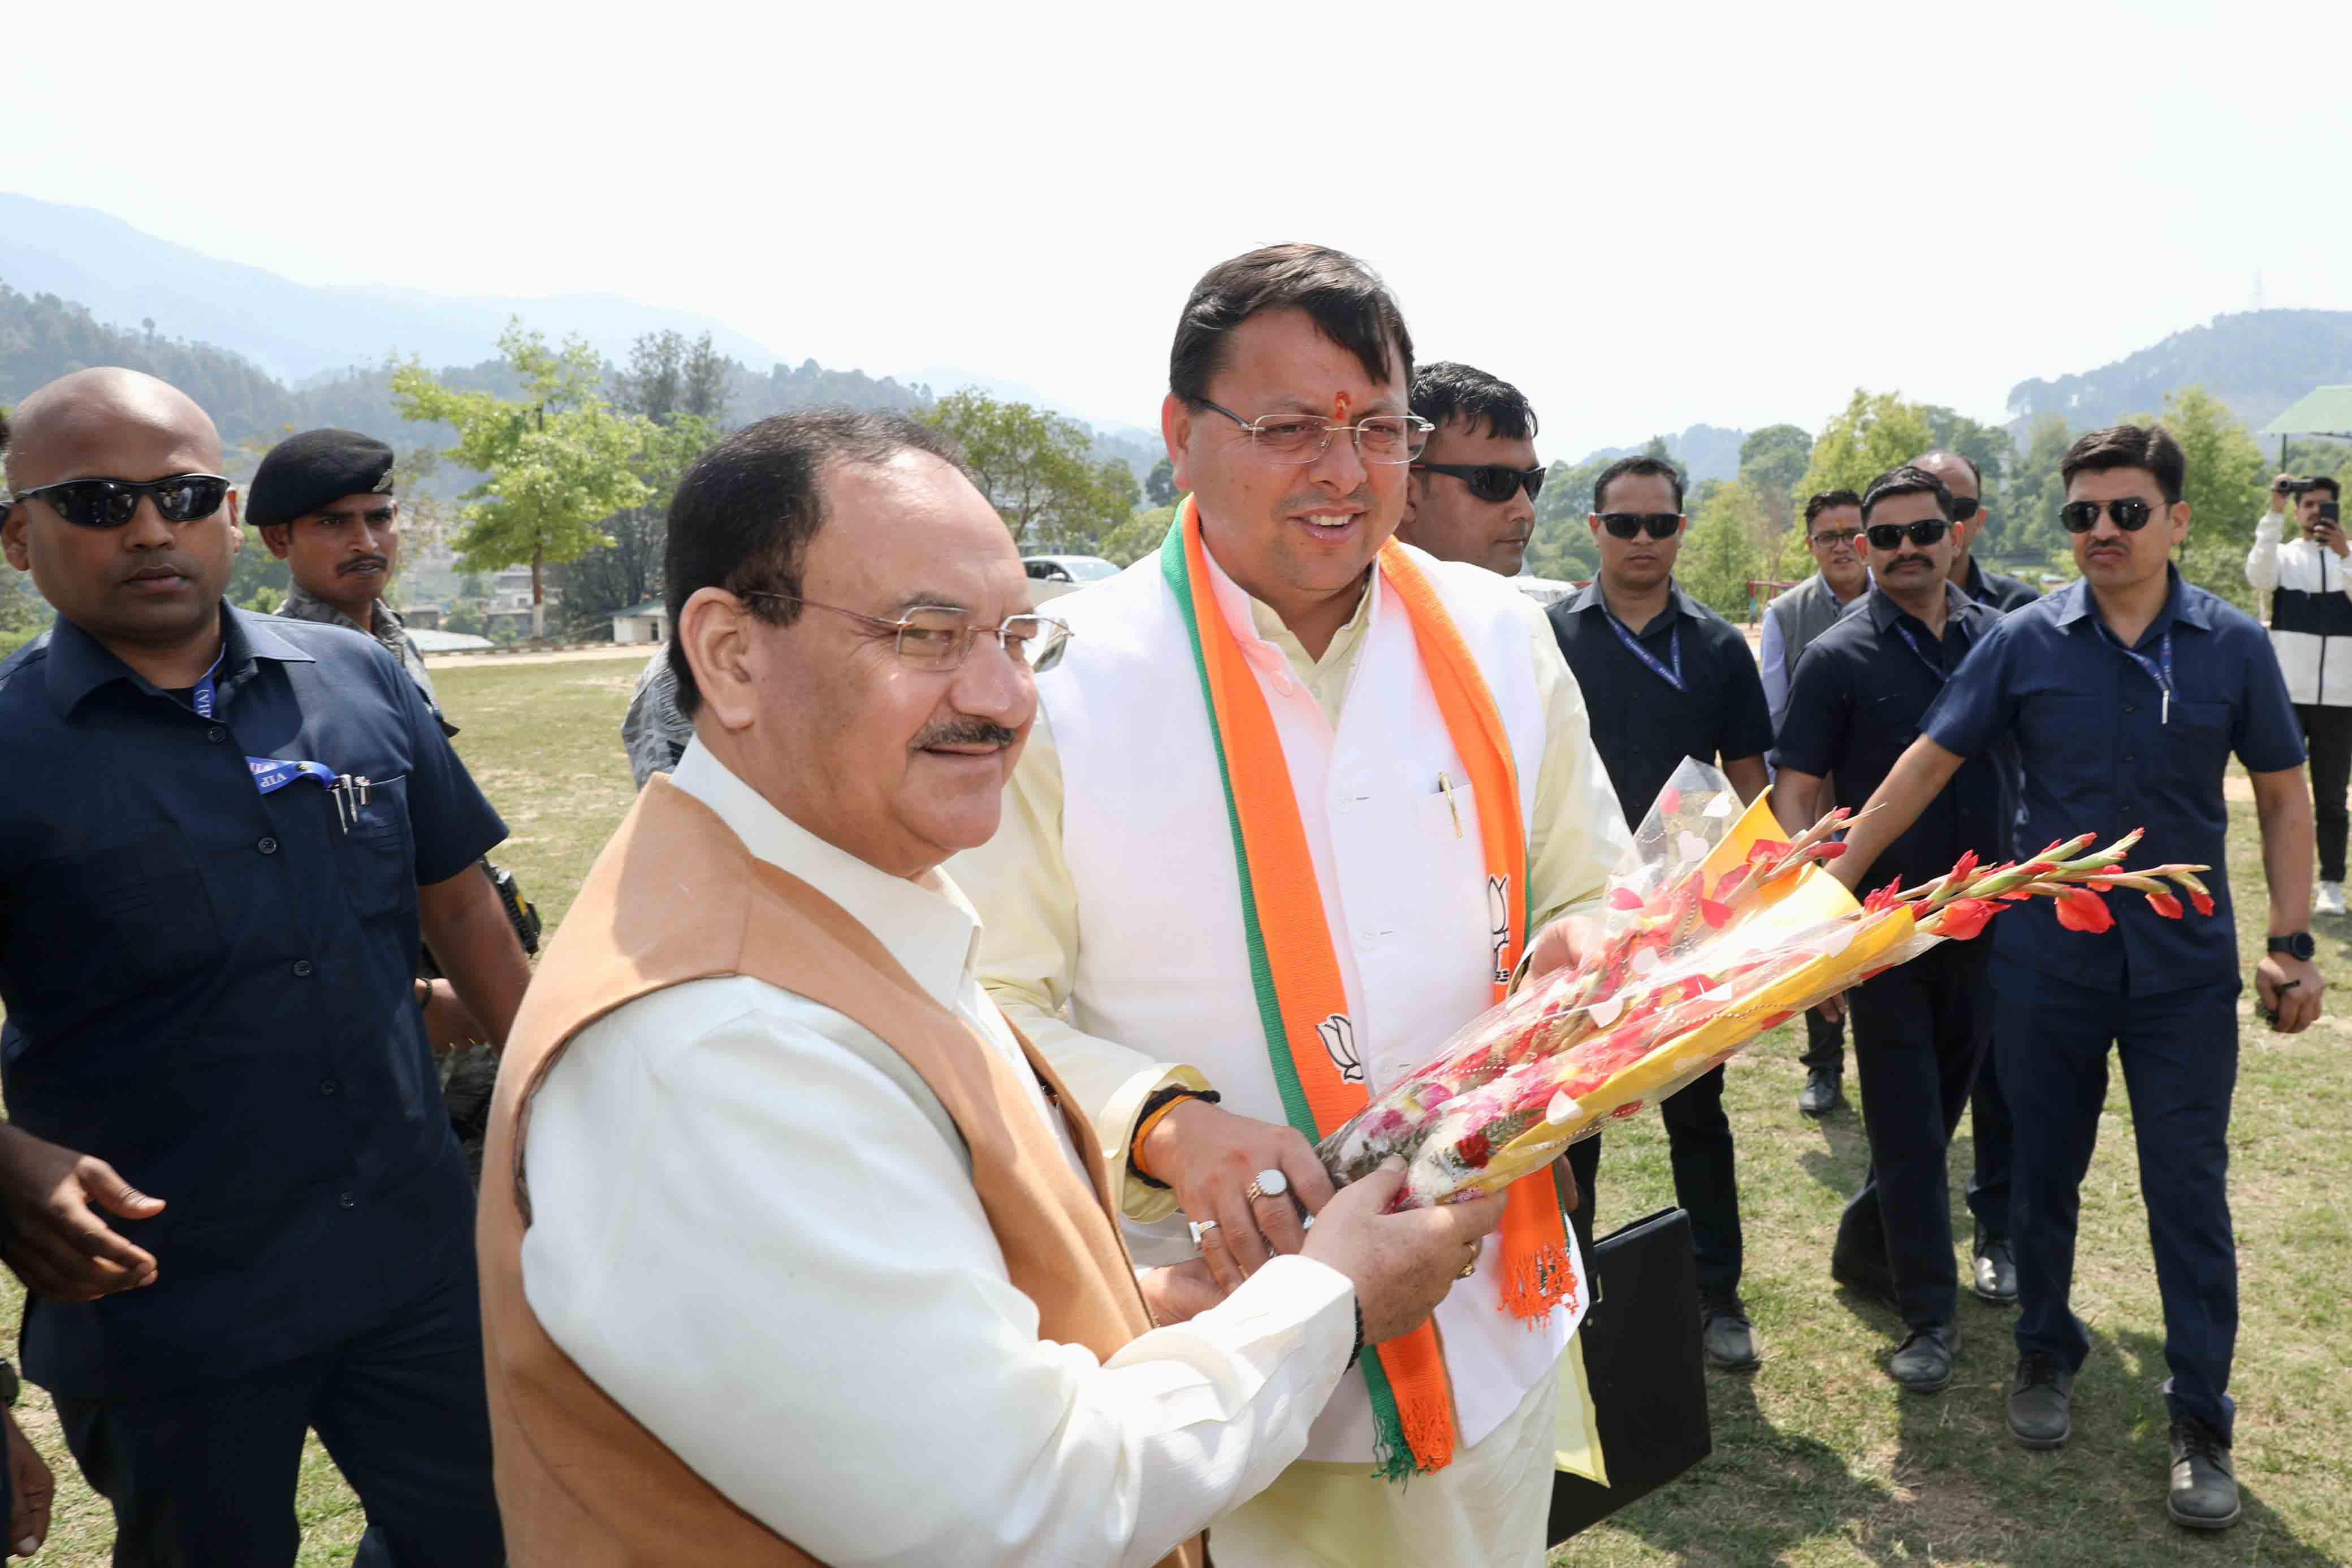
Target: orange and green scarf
{"x": 1295, "y": 972}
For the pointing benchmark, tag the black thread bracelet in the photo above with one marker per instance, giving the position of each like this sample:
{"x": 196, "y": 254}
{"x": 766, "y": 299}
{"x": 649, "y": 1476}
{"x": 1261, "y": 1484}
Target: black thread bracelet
{"x": 1356, "y": 1354}
{"x": 1158, "y": 1097}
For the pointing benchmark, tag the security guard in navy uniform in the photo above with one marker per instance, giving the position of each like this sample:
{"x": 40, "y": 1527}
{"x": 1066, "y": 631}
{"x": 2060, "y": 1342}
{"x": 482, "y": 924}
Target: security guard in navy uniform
{"x": 228, "y": 1181}
{"x": 324, "y": 503}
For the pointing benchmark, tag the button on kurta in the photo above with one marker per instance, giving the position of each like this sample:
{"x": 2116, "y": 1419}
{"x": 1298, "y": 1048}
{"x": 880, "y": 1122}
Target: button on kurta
{"x": 301, "y": 968}
{"x": 268, "y": 846}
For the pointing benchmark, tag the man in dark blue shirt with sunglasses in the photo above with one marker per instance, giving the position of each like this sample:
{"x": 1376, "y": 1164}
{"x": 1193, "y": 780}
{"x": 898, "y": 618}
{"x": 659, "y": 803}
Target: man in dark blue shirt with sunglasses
{"x": 2127, "y": 695}
{"x": 1664, "y": 679}
{"x": 1471, "y": 495}
{"x": 1920, "y": 1028}
{"x": 220, "y": 835}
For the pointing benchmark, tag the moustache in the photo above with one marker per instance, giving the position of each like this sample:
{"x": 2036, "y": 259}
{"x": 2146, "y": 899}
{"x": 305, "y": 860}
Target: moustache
{"x": 965, "y": 732}
{"x": 159, "y": 560}
{"x": 364, "y": 563}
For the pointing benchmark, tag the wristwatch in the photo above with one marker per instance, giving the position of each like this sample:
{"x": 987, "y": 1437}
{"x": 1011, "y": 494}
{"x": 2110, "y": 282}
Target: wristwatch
{"x": 2298, "y": 945}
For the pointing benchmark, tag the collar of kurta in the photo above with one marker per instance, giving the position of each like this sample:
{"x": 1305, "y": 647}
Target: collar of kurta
{"x": 931, "y": 930}
{"x": 2181, "y": 604}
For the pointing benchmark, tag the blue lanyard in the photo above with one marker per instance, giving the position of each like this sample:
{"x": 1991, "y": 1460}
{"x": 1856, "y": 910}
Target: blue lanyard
{"x": 269, "y": 774}
{"x": 2160, "y": 669}
{"x": 1934, "y": 668}
{"x": 1673, "y": 677}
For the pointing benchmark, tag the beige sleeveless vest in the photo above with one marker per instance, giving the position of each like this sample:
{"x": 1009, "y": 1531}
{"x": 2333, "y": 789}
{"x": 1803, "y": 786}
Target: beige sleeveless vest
{"x": 677, "y": 897}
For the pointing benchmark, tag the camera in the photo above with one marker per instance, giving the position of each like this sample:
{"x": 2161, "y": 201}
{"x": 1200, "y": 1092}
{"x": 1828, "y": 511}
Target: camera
{"x": 2293, "y": 486}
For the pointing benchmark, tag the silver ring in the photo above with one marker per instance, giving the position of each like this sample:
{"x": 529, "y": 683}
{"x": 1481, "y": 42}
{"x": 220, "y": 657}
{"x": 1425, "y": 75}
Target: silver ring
{"x": 1269, "y": 1183}
{"x": 1200, "y": 1230}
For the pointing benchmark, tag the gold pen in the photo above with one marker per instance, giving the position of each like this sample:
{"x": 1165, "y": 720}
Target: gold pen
{"x": 1446, "y": 787}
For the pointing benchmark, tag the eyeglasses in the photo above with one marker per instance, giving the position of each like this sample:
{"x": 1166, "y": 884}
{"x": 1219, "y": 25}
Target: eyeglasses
{"x": 2131, "y": 515}
{"x": 1301, "y": 438}
{"x": 1837, "y": 536}
{"x": 935, "y": 638}
{"x": 1965, "y": 506}
{"x": 1489, "y": 482}
{"x": 1890, "y": 536}
{"x": 1625, "y": 525}
{"x": 111, "y": 502}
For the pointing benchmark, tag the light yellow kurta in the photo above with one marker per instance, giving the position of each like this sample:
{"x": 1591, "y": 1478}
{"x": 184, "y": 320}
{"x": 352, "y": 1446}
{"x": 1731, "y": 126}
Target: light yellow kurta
{"x": 1474, "y": 1511}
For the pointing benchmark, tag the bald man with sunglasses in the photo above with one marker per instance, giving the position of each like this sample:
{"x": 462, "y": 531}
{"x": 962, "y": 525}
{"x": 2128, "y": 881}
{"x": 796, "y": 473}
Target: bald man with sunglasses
{"x": 1471, "y": 495}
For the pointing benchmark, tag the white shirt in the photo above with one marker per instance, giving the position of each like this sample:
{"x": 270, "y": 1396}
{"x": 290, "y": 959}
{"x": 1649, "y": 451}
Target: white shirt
{"x": 755, "y": 1242}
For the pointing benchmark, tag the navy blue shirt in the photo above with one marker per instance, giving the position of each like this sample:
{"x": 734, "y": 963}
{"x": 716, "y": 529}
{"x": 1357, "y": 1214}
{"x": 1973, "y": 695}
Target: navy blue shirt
{"x": 210, "y": 989}
{"x": 2101, "y": 755}
{"x": 1642, "y": 725}
{"x": 1855, "y": 706}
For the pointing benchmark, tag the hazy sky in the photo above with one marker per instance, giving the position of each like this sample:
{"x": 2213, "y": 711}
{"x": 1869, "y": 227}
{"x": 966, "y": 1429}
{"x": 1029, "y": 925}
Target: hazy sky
{"x": 1646, "y": 216}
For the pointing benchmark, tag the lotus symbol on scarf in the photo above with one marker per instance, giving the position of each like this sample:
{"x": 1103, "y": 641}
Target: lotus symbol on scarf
{"x": 1339, "y": 1033}
{"x": 1499, "y": 922}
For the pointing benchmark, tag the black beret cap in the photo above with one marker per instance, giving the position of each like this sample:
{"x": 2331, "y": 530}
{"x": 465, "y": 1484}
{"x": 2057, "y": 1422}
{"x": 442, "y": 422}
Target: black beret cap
{"x": 315, "y": 469}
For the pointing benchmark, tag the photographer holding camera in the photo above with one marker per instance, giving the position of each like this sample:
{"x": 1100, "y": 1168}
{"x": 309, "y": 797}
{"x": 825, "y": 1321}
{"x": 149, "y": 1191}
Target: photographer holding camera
{"x": 2309, "y": 579}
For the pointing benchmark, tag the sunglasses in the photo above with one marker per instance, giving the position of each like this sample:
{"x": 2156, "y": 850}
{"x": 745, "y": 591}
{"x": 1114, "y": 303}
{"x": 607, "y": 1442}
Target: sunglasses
{"x": 1890, "y": 536}
{"x": 1489, "y": 482}
{"x": 2130, "y": 515}
{"x": 111, "y": 502}
{"x": 1625, "y": 525}
{"x": 1964, "y": 507}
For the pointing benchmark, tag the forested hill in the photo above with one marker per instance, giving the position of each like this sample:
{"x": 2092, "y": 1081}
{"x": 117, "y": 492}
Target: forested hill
{"x": 2256, "y": 362}
{"x": 42, "y": 336}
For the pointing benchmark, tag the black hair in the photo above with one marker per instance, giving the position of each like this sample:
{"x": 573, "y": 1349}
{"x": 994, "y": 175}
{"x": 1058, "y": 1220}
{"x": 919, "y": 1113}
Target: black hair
{"x": 1907, "y": 480}
{"x": 1639, "y": 465}
{"x": 2335, "y": 491}
{"x": 2149, "y": 446}
{"x": 1451, "y": 389}
{"x": 1827, "y": 500}
{"x": 1346, "y": 300}
{"x": 746, "y": 509}
{"x": 1974, "y": 471}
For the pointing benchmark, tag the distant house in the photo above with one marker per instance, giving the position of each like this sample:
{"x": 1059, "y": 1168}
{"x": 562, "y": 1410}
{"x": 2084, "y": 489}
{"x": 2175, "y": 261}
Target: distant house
{"x": 646, "y": 622}
{"x": 423, "y": 617}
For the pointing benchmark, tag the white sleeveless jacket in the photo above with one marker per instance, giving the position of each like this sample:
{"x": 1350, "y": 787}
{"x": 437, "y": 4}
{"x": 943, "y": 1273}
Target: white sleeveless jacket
{"x": 1162, "y": 963}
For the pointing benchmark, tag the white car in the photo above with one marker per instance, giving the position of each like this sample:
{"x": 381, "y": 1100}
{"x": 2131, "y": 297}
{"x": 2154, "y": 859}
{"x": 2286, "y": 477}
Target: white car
{"x": 1050, "y": 576}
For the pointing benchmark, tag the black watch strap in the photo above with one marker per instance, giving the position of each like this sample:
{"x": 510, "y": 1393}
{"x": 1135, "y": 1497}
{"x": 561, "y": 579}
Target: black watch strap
{"x": 2296, "y": 945}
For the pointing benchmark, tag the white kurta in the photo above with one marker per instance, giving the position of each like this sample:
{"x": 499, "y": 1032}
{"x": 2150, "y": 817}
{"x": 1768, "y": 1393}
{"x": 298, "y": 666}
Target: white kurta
{"x": 1151, "y": 962}
{"x": 752, "y": 1239}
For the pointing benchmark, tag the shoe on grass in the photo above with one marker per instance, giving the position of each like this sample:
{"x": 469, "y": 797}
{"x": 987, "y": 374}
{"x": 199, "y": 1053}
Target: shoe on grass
{"x": 1824, "y": 1093}
{"x": 2204, "y": 1491}
{"x": 2038, "y": 1416}
{"x": 1725, "y": 1333}
{"x": 1995, "y": 1272}
{"x": 2329, "y": 900}
{"x": 1924, "y": 1365}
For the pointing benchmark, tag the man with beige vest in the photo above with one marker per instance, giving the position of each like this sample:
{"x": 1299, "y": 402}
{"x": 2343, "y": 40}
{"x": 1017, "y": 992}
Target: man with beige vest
{"x": 1299, "y": 799}
{"x": 793, "y": 1249}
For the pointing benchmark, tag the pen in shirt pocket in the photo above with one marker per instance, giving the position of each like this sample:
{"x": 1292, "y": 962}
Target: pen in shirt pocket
{"x": 1446, "y": 787}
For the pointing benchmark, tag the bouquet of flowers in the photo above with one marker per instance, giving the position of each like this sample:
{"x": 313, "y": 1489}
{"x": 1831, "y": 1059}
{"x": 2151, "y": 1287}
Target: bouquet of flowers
{"x": 1716, "y": 929}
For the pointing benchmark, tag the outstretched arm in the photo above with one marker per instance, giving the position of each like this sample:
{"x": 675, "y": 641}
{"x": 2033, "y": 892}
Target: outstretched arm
{"x": 1917, "y": 777}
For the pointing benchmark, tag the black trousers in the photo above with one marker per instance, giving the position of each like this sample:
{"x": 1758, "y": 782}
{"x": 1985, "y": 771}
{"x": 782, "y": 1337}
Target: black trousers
{"x": 204, "y": 1477}
{"x": 1707, "y": 1184}
{"x": 1920, "y": 1032}
{"x": 2327, "y": 737}
{"x": 2179, "y": 1051}
{"x": 1995, "y": 1134}
{"x": 1824, "y": 1044}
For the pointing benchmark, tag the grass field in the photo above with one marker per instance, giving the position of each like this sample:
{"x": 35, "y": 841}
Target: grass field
{"x": 1818, "y": 1461}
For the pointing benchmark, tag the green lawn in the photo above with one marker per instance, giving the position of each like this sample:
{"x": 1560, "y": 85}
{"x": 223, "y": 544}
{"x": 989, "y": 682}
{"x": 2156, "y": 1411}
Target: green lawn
{"x": 1818, "y": 1459}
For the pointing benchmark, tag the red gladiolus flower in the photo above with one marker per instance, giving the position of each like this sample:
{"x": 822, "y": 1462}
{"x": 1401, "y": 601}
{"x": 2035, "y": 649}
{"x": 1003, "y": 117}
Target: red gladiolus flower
{"x": 2095, "y": 885}
{"x": 2079, "y": 910}
{"x": 1882, "y": 898}
{"x": 2164, "y": 904}
{"x": 1670, "y": 800}
{"x": 2203, "y": 901}
{"x": 1964, "y": 917}
{"x": 1624, "y": 898}
{"x": 1764, "y": 853}
{"x": 1714, "y": 914}
{"x": 1962, "y": 868}
{"x": 1829, "y": 851}
{"x": 1732, "y": 880}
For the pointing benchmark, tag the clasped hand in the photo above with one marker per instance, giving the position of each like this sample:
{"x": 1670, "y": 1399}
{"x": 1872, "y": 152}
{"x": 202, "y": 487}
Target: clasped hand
{"x": 51, "y": 1232}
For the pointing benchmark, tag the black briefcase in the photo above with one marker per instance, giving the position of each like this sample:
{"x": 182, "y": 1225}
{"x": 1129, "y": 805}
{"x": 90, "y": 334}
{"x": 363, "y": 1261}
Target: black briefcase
{"x": 1642, "y": 1369}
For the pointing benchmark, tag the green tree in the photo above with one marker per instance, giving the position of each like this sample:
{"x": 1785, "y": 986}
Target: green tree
{"x": 1722, "y": 548}
{"x": 1773, "y": 460}
{"x": 2034, "y": 492}
{"x": 1159, "y": 486}
{"x": 556, "y": 462}
{"x": 2225, "y": 485}
{"x": 1875, "y": 433}
{"x": 1036, "y": 468}
{"x": 1136, "y": 537}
